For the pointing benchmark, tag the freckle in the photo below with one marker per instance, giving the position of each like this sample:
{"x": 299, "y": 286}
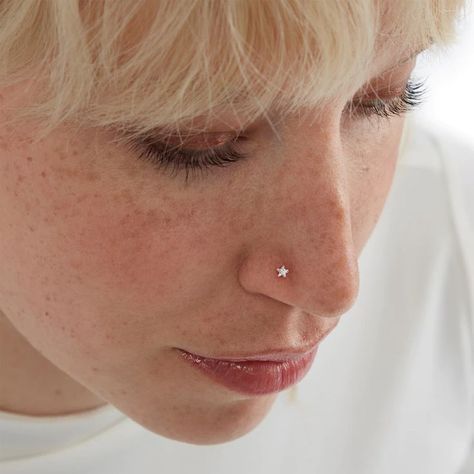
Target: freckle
{"x": 126, "y": 195}
{"x": 92, "y": 176}
{"x": 95, "y": 369}
{"x": 123, "y": 392}
{"x": 48, "y": 298}
{"x": 31, "y": 228}
{"x": 43, "y": 174}
{"x": 21, "y": 178}
{"x": 46, "y": 313}
{"x": 58, "y": 392}
{"x": 29, "y": 158}
{"x": 153, "y": 218}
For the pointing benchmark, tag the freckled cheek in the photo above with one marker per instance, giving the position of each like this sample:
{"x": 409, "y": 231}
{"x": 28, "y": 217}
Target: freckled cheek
{"x": 124, "y": 255}
{"x": 87, "y": 253}
{"x": 145, "y": 260}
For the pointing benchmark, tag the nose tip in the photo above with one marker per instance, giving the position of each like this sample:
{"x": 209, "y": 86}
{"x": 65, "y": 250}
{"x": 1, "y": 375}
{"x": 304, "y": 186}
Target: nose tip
{"x": 325, "y": 291}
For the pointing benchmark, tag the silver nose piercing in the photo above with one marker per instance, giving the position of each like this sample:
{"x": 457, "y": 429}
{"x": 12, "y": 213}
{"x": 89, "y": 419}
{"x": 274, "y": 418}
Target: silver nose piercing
{"x": 282, "y": 271}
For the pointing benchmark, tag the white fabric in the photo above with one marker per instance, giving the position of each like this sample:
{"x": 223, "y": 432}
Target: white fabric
{"x": 391, "y": 388}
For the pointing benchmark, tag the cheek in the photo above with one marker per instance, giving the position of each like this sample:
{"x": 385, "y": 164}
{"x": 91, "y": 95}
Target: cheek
{"x": 136, "y": 252}
{"x": 85, "y": 263}
{"x": 373, "y": 166}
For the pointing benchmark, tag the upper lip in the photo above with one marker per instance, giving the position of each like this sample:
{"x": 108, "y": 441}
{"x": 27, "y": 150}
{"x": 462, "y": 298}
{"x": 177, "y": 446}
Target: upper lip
{"x": 276, "y": 355}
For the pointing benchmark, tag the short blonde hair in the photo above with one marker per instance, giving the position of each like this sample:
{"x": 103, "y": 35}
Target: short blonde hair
{"x": 146, "y": 65}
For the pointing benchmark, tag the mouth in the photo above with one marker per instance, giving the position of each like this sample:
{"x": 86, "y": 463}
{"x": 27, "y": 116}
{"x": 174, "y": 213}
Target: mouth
{"x": 270, "y": 356}
{"x": 257, "y": 373}
{"x": 254, "y": 377}
{"x": 273, "y": 355}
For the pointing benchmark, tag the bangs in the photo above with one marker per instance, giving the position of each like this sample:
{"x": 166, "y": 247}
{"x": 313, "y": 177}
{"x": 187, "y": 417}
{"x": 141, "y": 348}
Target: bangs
{"x": 144, "y": 65}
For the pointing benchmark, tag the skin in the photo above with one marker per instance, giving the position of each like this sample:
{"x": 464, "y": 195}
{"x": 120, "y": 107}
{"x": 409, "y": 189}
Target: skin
{"x": 109, "y": 264}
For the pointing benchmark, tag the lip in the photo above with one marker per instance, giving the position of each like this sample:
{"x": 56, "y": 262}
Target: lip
{"x": 254, "y": 377}
{"x": 275, "y": 356}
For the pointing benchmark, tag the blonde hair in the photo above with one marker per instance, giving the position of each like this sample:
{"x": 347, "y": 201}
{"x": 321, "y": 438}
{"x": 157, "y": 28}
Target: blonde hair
{"x": 145, "y": 65}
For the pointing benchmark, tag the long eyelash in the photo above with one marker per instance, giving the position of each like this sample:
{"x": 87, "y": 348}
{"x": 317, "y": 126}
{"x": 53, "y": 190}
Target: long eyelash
{"x": 412, "y": 96}
{"x": 176, "y": 159}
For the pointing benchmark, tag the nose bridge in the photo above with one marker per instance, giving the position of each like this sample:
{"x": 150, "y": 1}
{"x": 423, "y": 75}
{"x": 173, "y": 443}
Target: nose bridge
{"x": 326, "y": 252}
{"x": 307, "y": 211}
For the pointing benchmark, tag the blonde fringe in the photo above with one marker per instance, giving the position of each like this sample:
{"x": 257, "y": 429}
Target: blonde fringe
{"x": 146, "y": 65}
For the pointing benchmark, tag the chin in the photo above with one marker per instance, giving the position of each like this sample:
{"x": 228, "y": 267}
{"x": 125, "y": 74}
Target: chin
{"x": 208, "y": 424}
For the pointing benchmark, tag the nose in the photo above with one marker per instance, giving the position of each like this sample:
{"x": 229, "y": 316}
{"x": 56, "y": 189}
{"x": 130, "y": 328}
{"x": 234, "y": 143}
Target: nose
{"x": 301, "y": 219}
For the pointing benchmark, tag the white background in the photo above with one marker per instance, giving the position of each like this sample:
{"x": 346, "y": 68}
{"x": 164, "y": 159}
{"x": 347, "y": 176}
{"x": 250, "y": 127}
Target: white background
{"x": 449, "y": 100}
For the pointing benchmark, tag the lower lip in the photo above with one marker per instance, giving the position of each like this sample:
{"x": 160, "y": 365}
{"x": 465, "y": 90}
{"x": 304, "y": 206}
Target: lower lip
{"x": 253, "y": 377}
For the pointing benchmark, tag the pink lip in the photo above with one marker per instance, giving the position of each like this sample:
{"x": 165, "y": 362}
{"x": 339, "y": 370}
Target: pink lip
{"x": 255, "y": 377}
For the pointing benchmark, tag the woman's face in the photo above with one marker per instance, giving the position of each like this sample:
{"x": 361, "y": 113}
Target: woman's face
{"x": 108, "y": 264}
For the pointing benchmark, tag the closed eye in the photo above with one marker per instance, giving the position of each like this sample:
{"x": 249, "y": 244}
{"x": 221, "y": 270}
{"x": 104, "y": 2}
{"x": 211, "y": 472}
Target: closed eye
{"x": 178, "y": 159}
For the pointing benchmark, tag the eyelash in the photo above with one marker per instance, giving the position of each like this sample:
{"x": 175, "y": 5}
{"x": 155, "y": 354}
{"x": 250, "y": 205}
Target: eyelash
{"x": 178, "y": 159}
{"x": 412, "y": 96}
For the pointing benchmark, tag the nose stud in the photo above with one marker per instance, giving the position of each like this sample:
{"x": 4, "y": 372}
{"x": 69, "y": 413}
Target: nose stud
{"x": 282, "y": 271}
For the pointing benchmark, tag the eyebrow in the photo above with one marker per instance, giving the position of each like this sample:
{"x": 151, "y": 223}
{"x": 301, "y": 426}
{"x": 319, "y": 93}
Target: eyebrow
{"x": 410, "y": 57}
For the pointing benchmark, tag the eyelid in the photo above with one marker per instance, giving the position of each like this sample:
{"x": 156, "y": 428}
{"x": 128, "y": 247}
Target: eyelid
{"x": 383, "y": 87}
{"x": 187, "y": 149}
{"x": 389, "y": 91}
{"x": 192, "y": 142}
{"x": 202, "y": 140}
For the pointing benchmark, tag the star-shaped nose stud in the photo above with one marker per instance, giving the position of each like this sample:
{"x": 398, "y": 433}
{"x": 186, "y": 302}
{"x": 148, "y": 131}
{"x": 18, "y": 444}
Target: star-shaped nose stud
{"x": 282, "y": 271}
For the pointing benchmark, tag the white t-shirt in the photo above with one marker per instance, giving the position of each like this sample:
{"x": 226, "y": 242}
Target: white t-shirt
{"x": 391, "y": 388}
